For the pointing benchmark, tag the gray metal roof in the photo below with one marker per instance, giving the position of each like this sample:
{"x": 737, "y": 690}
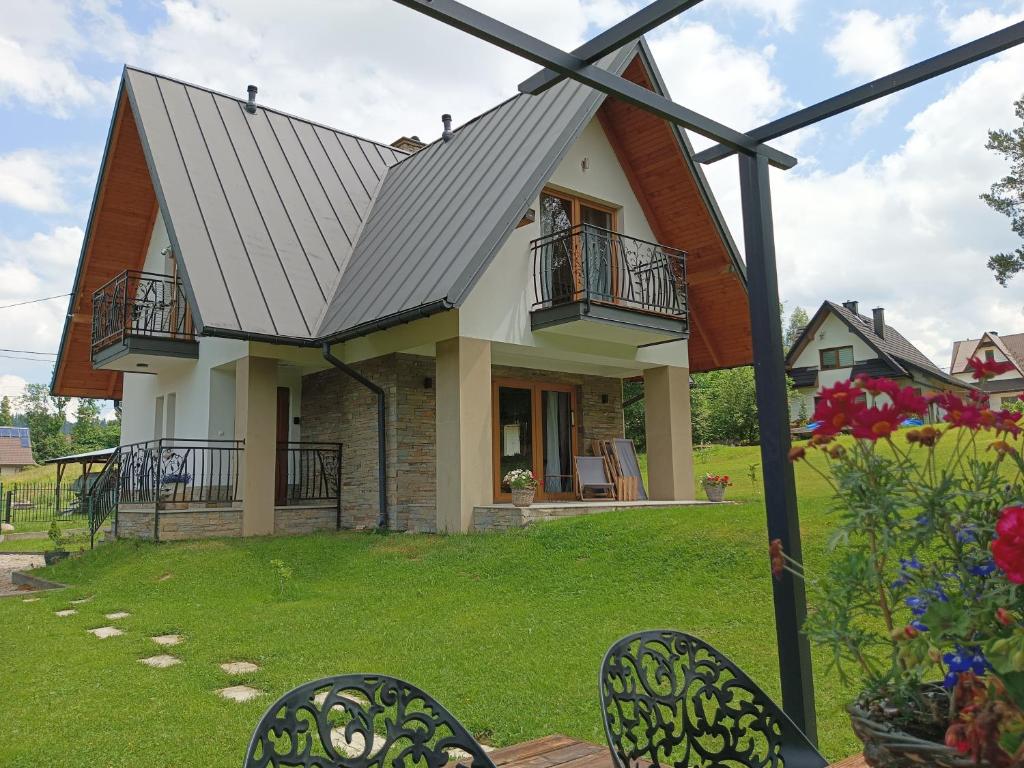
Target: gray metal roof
{"x": 263, "y": 209}
{"x": 443, "y": 213}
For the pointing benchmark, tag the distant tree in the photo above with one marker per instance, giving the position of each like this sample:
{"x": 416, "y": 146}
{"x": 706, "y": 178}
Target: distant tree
{"x": 1007, "y": 194}
{"x": 45, "y": 416}
{"x": 723, "y": 405}
{"x": 798, "y": 320}
{"x": 6, "y": 416}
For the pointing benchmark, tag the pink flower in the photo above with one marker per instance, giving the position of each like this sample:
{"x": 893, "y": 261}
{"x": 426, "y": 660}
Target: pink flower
{"x": 1008, "y": 548}
{"x": 988, "y": 369}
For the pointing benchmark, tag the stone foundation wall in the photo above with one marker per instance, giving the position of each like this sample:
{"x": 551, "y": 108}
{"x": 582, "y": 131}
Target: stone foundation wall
{"x": 297, "y": 520}
{"x": 178, "y": 524}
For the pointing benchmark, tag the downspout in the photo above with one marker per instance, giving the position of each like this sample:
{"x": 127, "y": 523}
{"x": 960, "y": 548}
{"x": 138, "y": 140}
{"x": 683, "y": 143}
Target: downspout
{"x": 382, "y": 453}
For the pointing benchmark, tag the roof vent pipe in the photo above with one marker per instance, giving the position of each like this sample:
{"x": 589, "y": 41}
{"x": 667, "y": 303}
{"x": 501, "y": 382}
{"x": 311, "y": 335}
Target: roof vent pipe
{"x": 878, "y": 315}
{"x": 250, "y": 107}
{"x": 446, "y": 134}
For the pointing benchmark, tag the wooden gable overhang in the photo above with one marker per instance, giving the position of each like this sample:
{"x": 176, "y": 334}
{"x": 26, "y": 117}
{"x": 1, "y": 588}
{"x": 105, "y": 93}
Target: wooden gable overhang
{"x": 681, "y": 212}
{"x": 117, "y": 236}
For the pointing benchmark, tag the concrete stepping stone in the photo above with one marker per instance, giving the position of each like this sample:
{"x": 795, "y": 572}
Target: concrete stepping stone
{"x": 167, "y": 639}
{"x": 65, "y": 612}
{"x": 81, "y": 600}
{"x": 239, "y": 667}
{"x": 321, "y": 697}
{"x": 165, "y": 577}
{"x": 118, "y": 615}
{"x": 162, "y": 661}
{"x": 105, "y": 632}
{"x": 240, "y": 693}
{"x": 355, "y": 747}
{"x": 30, "y": 600}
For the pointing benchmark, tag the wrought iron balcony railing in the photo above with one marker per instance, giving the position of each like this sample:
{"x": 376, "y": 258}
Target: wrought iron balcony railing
{"x": 185, "y": 470}
{"x": 591, "y": 264}
{"x": 140, "y": 304}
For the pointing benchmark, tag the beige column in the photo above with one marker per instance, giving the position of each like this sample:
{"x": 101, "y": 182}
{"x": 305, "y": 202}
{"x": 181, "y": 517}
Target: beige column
{"x": 669, "y": 433}
{"x": 463, "y": 390}
{"x": 256, "y": 423}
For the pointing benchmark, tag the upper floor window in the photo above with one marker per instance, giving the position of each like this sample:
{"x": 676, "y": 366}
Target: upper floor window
{"x": 990, "y": 355}
{"x": 837, "y": 357}
{"x": 560, "y": 211}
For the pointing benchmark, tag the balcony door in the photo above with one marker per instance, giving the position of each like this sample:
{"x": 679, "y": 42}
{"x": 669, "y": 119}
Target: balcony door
{"x": 535, "y": 429}
{"x": 581, "y": 262}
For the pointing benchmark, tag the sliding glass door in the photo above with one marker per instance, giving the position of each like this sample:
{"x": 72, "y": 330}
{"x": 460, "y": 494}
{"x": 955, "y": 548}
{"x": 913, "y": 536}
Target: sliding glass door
{"x": 535, "y": 429}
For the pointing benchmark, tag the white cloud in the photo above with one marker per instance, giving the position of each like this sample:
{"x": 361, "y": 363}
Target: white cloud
{"x": 12, "y": 386}
{"x": 963, "y": 29}
{"x": 32, "y": 179}
{"x": 779, "y": 13}
{"x": 908, "y": 231}
{"x": 868, "y": 45}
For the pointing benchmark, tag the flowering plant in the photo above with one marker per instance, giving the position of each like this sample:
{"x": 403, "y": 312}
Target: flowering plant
{"x": 721, "y": 480}
{"x": 520, "y": 479}
{"x": 928, "y": 558}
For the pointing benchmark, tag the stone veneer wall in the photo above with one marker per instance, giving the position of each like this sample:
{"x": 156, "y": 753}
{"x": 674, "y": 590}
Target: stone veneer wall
{"x": 337, "y": 409}
{"x": 136, "y": 522}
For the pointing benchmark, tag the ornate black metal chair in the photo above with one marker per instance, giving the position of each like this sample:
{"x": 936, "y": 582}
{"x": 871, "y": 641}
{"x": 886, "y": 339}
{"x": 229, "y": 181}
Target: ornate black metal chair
{"x": 361, "y": 721}
{"x": 672, "y": 700}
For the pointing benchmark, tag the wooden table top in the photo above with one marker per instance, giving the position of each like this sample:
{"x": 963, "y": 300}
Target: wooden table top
{"x": 559, "y": 751}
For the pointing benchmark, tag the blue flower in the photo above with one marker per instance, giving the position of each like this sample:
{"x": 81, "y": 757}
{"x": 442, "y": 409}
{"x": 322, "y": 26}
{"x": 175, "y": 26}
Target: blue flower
{"x": 966, "y": 535}
{"x": 938, "y": 593}
{"x": 913, "y": 564}
{"x": 986, "y": 568}
{"x": 949, "y": 682}
{"x": 919, "y": 625}
{"x": 962, "y": 660}
{"x": 923, "y": 520}
{"x": 918, "y": 606}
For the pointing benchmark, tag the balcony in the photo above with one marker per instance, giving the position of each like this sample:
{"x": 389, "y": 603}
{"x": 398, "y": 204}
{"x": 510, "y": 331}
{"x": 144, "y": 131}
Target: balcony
{"x": 140, "y": 322}
{"x": 594, "y": 283}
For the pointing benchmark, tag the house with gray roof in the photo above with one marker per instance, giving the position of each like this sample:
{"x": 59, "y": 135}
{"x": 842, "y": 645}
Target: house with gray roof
{"x": 1004, "y": 389}
{"x": 310, "y": 329}
{"x": 840, "y": 344}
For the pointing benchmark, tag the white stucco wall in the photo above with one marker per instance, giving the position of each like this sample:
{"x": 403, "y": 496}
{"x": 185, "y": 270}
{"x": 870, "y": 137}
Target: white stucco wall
{"x": 498, "y": 307}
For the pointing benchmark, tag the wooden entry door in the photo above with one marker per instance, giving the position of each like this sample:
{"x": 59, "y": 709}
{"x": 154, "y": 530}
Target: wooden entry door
{"x": 535, "y": 429}
{"x": 281, "y": 466}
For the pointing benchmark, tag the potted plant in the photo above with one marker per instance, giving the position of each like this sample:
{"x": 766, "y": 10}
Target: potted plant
{"x": 523, "y": 485}
{"x": 169, "y": 484}
{"x": 715, "y": 485}
{"x": 921, "y": 597}
{"x": 59, "y": 542}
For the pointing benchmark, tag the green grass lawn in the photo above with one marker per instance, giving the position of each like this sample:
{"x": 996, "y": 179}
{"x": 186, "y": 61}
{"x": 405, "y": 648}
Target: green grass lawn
{"x": 507, "y": 630}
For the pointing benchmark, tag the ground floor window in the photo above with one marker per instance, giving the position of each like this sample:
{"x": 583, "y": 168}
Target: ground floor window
{"x": 535, "y": 429}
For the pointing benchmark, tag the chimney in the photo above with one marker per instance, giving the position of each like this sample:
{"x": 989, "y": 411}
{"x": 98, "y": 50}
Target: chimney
{"x": 446, "y": 134}
{"x": 853, "y": 306}
{"x": 251, "y": 106}
{"x": 879, "y": 319}
{"x": 408, "y": 144}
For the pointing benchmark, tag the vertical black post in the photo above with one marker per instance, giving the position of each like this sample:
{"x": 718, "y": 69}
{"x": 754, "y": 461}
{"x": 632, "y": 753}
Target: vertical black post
{"x": 773, "y": 420}
{"x": 7, "y": 507}
{"x": 337, "y": 481}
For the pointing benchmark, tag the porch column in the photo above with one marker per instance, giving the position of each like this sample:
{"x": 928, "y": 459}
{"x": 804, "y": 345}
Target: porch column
{"x": 256, "y": 423}
{"x": 669, "y": 433}
{"x": 463, "y": 391}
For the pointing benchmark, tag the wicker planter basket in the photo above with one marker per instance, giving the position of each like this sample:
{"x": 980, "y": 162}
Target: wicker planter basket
{"x": 714, "y": 491}
{"x": 888, "y": 747}
{"x": 523, "y": 497}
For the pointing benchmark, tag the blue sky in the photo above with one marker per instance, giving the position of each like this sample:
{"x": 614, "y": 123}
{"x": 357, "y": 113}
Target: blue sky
{"x": 883, "y": 207}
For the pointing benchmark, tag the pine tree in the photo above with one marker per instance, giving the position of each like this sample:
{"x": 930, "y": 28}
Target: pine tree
{"x": 6, "y": 415}
{"x": 1007, "y": 194}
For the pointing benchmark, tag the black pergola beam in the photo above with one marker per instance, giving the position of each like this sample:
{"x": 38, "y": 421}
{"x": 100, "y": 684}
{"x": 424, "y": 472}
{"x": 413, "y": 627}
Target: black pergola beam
{"x": 613, "y": 38}
{"x": 876, "y": 89}
{"x": 491, "y": 30}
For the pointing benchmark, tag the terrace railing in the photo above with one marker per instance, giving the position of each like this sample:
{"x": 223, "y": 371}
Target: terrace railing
{"x": 101, "y": 500}
{"x": 590, "y": 264}
{"x": 178, "y": 470}
{"x": 309, "y": 472}
{"x": 140, "y": 304}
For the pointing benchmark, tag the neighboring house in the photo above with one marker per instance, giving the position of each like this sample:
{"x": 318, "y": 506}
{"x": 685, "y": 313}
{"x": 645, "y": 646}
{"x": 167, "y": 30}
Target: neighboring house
{"x": 497, "y": 286}
{"x": 15, "y": 450}
{"x": 840, "y": 343}
{"x": 1005, "y": 388}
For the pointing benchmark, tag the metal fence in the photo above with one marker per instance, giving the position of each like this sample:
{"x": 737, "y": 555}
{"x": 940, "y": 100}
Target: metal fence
{"x": 309, "y": 472}
{"x": 25, "y": 503}
{"x": 176, "y": 470}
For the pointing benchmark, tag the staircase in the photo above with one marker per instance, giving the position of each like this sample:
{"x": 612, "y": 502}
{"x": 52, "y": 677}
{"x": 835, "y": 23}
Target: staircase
{"x": 101, "y": 499}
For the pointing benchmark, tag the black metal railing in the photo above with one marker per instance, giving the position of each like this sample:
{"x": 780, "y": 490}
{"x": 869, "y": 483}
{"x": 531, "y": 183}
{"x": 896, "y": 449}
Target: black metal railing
{"x": 590, "y": 264}
{"x": 309, "y": 472}
{"x": 178, "y": 470}
{"x": 28, "y": 506}
{"x": 140, "y": 304}
{"x": 101, "y": 500}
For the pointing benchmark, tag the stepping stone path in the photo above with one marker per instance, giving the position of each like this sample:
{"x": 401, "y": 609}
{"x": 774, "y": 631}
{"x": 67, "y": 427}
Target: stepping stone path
{"x": 118, "y": 615}
{"x": 105, "y": 632}
{"x": 65, "y": 612}
{"x": 162, "y": 661}
{"x": 239, "y": 667}
{"x": 167, "y": 639}
{"x": 81, "y": 600}
{"x": 321, "y": 697}
{"x": 355, "y": 747}
{"x": 240, "y": 693}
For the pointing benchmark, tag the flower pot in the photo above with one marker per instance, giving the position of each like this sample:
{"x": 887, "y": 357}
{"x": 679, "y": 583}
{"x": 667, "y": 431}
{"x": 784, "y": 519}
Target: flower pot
{"x": 715, "y": 492}
{"x": 886, "y": 746}
{"x": 54, "y": 556}
{"x": 523, "y": 497}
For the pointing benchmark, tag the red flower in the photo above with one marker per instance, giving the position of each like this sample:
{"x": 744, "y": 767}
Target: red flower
{"x": 837, "y": 407}
{"x": 1008, "y": 548}
{"x": 958, "y": 413}
{"x": 874, "y": 423}
{"x": 1006, "y": 421}
{"x": 797, "y": 452}
{"x": 1004, "y": 617}
{"x": 988, "y": 369}
{"x": 777, "y": 558}
{"x": 909, "y": 402}
{"x": 879, "y": 386}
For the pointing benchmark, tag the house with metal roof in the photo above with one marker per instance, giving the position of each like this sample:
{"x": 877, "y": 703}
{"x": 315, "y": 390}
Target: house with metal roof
{"x": 1004, "y": 389}
{"x": 15, "y": 450}
{"x": 840, "y": 344}
{"x": 309, "y": 329}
